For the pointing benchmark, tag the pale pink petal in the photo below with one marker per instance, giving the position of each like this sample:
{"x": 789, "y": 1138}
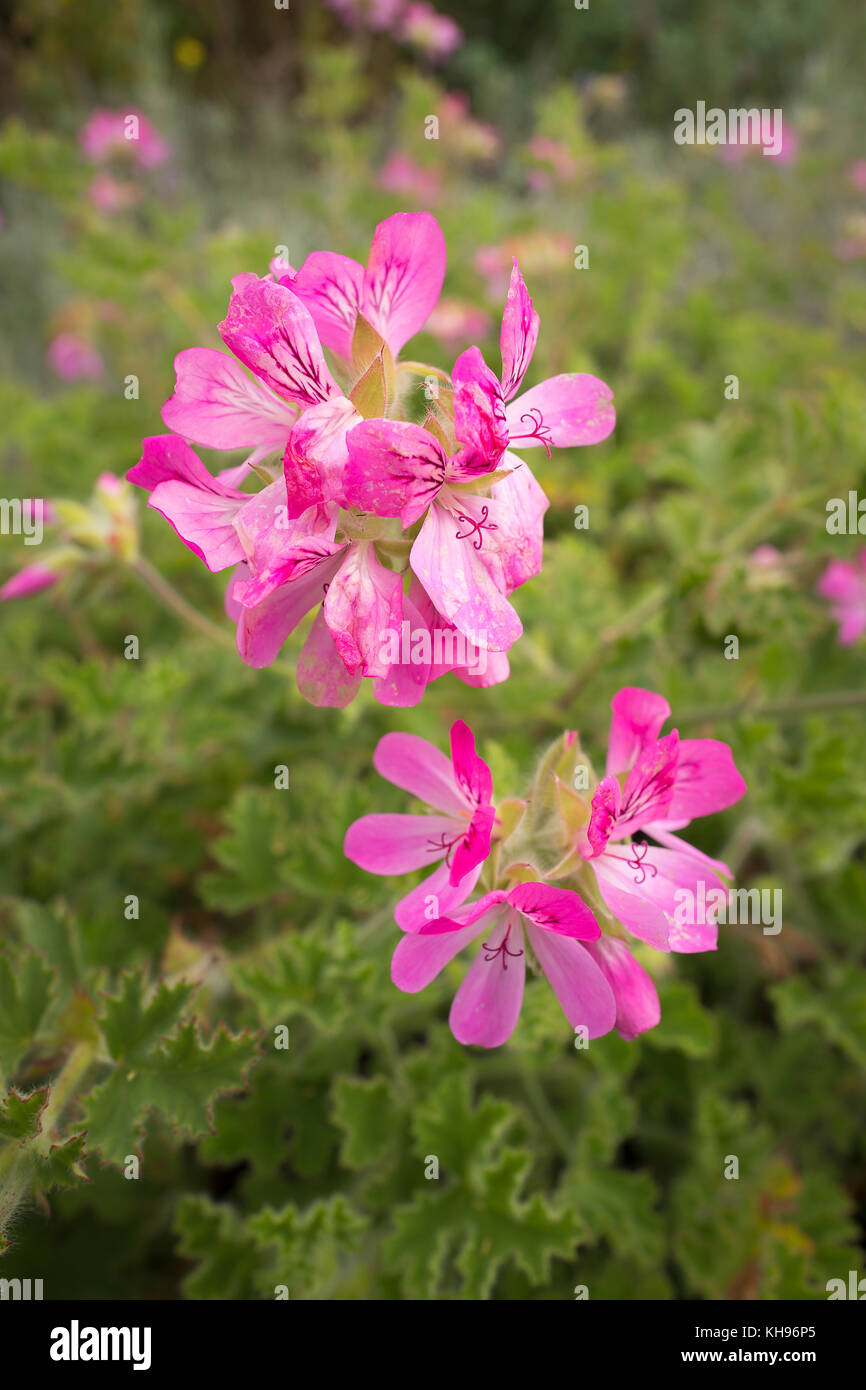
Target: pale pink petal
{"x": 461, "y": 578}
{"x": 421, "y": 768}
{"x": 486, "y": 1007}
{"x": 627, "y": 901}
{"x": 384, "y": 843}
{"x": 706, "y": 779}
{"x": 637, "y": 1002}
{"x": 273, "y": 334}
{"x": 216, "y": 404}
{"x": 204, "y": 521}
{"x": 521, "y": 503}
{"x": 404, "y": 276}
{"x": 322, "y": 677}
{"x": 330, "y": 286}
{"x": 564, "y": 410}
{"x": 419, "y": 959}
{"x": 577, "y": 981}
{"x": 518, "y": 335}
{"x": 435, "y": 897}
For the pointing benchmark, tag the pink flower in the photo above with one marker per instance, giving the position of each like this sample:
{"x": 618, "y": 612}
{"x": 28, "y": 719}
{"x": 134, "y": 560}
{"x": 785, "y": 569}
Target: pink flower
{"x": 29, "y": 580}
{"x": 74, "y": 359}
{"x": 122, "y": 132}
{"x": 455, "y": 322}
{"x": 109, "y": 195}
{"x": 435, "y": 33}
{"x": 857, "y": 175}
{"x": 843, "y": 584}
{"x": 669, "y": 781}
{"x": 456, "y": 836}
{"x": 403, "y": 174}
{"x": 595, "y": 980}
{"x": 377, "y": 15}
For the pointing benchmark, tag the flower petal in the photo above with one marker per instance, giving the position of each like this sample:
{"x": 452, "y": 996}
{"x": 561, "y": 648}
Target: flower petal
{"x": 577, "y": 981}
{"x": 404, "y": 276}
{"x": 638, "y": 716}
{"x": 419, "y": 959}
{"x": 564, "y": 410}
{"x": 394, "y": 469}
{"x": 557, "y": 910}
{"x": 216, "y": 404}
{"x": 330, "y": 286}
{"x": 637, "y": 1002}
{"x": 421, "y": 768}
{"x": 272, "y": 332}
{"x": 462, "y": 579}
{"x": 486, "y": 1007}
{"x": 362, "y": 606}
{"x": 435, "y": 897}
{"x": 384, "y": 843}
{"x": 518, "y": 335}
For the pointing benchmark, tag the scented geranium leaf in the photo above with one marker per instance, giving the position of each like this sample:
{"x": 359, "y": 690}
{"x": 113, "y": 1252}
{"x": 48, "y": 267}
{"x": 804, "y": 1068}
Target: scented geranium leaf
{"x": 253, "y": 853}
{"x": 306, "y": 1251}
{"x": 481, "y": 1225}
{"x": 53, "y": 931}
{"x": 620, "y": 1207}
{"x": 19, "y": 1115}
{"x": 254, "y": 1126}
{"x": 459, "y": 1134}
{"x": 835, "y": 1004}
{"x": 371, "y": 1121}
{"x": 686, "y": 1026}
{"x": 227, "y": 1254}
{"x": 180, "y": 1079}
{"x": 314, "y": 976}
{"x": 26, "y": 987}
{"x": 61, "y": 1165}
{"x": 133, "y": 1022}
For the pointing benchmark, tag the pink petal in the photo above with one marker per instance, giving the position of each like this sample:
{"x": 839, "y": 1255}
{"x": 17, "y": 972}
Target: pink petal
{"x": 394, "y": 469}
{"x": 330, "y": 286}
{"x": 474, "y": 847}
{"x": 562, "y": 411}
{"x": 518, "y": 335}
{"x": 419, "y": 959}
{"x": 419, "y": 767}
{"x": 397, "y": 844}
{"x": 216, "y": 404}
{"x": 627, "y": 901}
{"x": 29, "y": 580}
{"x": 204, "y": 521}
{"x": 606, "y": 802}
{"x": 316, "y": 453}
{"x": 322, "y": 676}
{"x": 404, "y": 276}
{"x": 638, "y": 716}
{"x": 577, "y": 981}
{"x": 649, "y": 786}
{"x": 521, "y": 503}
{"x": 464, "y": 916}
{"x": 416, "y": 908}
{"x": 471, "y": 773}
{"x": 637, "y": 1003}
{"x": 479, "y": 417}
{"x": 557, "y": 910}
{"x": 362, "y": 607}
{"x": 486, "y": 1007}
{"x": 462, "y": 581}
{"x": 706, "y": 779}
{"x": 273, "y": 334}
{"x": 168, "y": 458}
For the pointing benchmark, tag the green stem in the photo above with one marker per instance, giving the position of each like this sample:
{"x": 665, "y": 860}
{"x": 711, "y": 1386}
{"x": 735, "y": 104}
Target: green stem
{"x": 775, "y": 709}
{"x": 164, "y": 591}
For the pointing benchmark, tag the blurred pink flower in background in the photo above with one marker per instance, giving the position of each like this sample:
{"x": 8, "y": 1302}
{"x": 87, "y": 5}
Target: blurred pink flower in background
{"x": 31, "y": 580}
{"x": 455, "y": 322}
{"x": 843, "y": 584}
{"x": 557, "y": 164}
{"x": 465, "y": 136}
{"x": 377, "y": 15}
{"x": 734, "y": 151}
{"x": 402, "y": 174}
{"x": 108, "y": 194}
{"x": 541, "y": 252}
{"x": 74, "y": 359}
{"x": 857, "y": 175}
{"x": 108, "y": 133}
{"x": 436, "y": 34}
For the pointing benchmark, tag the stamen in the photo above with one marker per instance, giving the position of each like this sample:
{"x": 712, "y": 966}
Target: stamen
{"x": 475, "y": 527}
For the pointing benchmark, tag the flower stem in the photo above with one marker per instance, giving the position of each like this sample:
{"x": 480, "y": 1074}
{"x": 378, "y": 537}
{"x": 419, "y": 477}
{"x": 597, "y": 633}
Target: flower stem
{"x": 777, "y": 709}
{"x": 164, "y": 591}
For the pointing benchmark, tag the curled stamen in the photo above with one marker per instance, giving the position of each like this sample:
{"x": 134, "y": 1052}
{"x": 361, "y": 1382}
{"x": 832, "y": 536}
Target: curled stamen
{"x": 436, "y": 846}
{"x": 500, "y": 950}
{"x": 475, "y": 527}
{"x": 539, "y": 431}
{"x": 640, "y": 848}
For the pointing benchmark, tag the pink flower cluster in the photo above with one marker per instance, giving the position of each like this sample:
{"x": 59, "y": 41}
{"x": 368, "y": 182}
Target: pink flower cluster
{"x": 109, "y": 133}
{"x": 654, "y": 786}
{"x": 415, "y": 22}
{"x": 406, "y": 539}
{"x": 843, "y": 584}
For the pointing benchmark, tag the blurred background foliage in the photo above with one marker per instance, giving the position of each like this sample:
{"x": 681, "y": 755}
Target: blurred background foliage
{"x": 155, "y": 777}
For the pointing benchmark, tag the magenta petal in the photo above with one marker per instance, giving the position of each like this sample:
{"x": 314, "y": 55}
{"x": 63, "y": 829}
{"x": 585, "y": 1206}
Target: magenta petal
{"x": 204, "y": 521}
{"x": 419, "y": 959}
{"x": 273, "y": 334}
{"x": 606, "y": 802}
{"x": 471, "y": 912}
{"x": 577, "y": 981}
{"x": 29, "y": 580}
{"x": 637, "y": 1002}
{"x": 518, "y": 335}
{"x": 649, "y": 786}
{"x": 394, "y": 469}
{"x": 404, "y": 276}
{"x": 479, "y": 417}
{"x": 216, "y": 404}
{"x": 474, "y": 847}
{"x": 638, "y": 716}
{"x": 562, "y": 411}
{"x": 330, "y": 286}
{"x": 557, "y": 910}
{"x": 316, "y": 454}
{"x": 627, "y": 901}
{"x": 435, "y": 897}
{"x": 487, "y": 1005}
{"x": 419, "y": 767}
{"x": 706, "y": 779}
{"x": 395, "y": 844}
{"x": 471, "y": 773}
{"x": 168, "y": 458}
